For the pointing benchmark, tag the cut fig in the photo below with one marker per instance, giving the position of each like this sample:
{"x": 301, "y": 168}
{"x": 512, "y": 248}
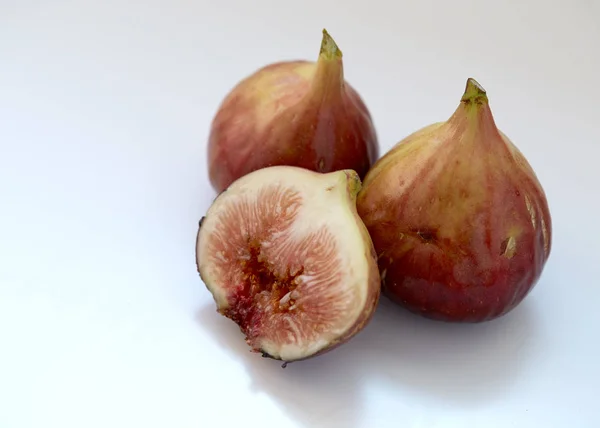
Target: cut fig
{"x": 286, "y": 257}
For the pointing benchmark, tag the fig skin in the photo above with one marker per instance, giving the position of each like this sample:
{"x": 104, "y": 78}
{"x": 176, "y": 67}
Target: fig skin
{"x": 339, "y": 189}
{"x": 459, "y": 220}
{"x": 297, "y": 113}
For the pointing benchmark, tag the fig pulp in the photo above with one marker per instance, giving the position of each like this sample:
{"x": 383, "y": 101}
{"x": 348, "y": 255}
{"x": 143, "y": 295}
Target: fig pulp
{"x": 459, "y": 220}
{"x": 296, "y": 113}
{"x": 286, "y": 257}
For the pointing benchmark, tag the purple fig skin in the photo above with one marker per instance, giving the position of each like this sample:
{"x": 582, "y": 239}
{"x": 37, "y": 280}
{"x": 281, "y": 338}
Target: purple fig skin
{"x": 295, "y": 113}
{"x": 459, "y": 220}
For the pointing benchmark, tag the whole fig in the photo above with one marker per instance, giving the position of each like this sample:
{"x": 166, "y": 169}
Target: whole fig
{"x": 459, "y": 220}
{"x": 295, "y": 113}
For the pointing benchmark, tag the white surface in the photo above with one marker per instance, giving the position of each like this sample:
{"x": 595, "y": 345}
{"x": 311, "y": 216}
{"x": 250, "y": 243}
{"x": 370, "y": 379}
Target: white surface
{"x": 104, "y": 113}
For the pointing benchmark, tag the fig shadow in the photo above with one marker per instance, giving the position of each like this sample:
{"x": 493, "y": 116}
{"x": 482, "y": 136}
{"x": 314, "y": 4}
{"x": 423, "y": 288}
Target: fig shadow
{"x": 315, "y": 392}
{"x": 465, "y": 365}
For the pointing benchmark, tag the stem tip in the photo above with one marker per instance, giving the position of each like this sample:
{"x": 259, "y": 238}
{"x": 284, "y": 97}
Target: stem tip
{"x": 329, "y": 49}
{"x": 474, "y": 93}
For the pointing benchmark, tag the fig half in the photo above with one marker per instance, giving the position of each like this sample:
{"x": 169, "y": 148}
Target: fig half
{"x": 286, "y": 257}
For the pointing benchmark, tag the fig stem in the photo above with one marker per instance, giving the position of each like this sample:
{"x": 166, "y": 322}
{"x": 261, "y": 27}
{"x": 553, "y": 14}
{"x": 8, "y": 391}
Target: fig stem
{"x": 474, "y": 93}
{"x": 329, "y": 49}
{"x": 328, "y": 81}
{"x": 353, "y": 182}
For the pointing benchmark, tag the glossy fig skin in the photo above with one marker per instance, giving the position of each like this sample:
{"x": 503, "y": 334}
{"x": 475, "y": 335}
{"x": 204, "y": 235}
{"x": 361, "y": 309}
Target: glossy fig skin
{"x": 295, "y": 113}
{"x": 459, "y": 220}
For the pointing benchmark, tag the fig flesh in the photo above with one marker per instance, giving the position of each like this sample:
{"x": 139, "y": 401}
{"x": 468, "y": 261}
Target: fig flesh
{"x": 459, "y": 220}
{"x": 286, "y": 257}
{"x": 297, "y": 113}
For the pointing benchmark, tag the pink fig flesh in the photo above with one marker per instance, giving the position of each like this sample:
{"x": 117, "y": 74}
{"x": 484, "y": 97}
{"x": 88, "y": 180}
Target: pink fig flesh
{"x": 287, "y": 258}
{"x": 459, "y": 220}
{"x": 296, "y": 113}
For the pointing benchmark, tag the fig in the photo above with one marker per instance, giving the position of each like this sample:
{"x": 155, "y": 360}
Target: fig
{"x": 297, "y": 113}
{"x": 459, "y": 220}
{"x": 287, "y": 258}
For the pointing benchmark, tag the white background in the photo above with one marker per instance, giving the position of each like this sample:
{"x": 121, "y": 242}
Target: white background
{"x": 105, "y": 108}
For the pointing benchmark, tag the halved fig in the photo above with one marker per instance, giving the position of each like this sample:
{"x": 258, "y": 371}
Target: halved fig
{"x": 286, "y": 257}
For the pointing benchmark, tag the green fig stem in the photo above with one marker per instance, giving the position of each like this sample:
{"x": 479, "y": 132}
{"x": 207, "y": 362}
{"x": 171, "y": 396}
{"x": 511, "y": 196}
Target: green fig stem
{"x": 353, "y": 183}
{"x": 329, "y": 49}
{"x": 328, "y": 81}
{"x": 474, "y": 113}
{"x": 474, "y": 94}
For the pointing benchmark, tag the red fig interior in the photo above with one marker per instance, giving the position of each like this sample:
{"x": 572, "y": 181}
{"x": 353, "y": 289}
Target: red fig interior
{"x": 289, "y": 263}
